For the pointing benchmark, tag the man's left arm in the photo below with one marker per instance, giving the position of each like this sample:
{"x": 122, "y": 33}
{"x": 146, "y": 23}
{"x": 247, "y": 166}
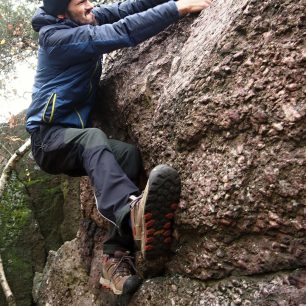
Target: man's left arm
{"x": 114, "y": 12}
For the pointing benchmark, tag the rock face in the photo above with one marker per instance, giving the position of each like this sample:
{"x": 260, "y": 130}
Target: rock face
{"x": 66, "y": 282}
{"x": 224, "y": 104}
{"x": 220, "y": 97}
{"x": 67, "y": 275}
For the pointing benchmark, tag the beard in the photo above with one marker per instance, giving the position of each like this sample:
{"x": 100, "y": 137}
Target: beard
{"x": 81, "y": 19}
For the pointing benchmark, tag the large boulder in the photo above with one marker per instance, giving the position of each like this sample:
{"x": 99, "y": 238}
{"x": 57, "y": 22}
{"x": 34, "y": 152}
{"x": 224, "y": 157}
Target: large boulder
{"x": 219, "y": 96}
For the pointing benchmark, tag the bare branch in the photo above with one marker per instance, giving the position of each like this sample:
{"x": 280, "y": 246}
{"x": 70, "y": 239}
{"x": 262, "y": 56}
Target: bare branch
{"x": 6, "y": 289}
{"x": 12, "y": 164}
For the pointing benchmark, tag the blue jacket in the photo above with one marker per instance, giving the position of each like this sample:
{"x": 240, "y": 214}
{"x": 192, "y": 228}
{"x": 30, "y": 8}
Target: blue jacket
{"x": 69, "y": 56}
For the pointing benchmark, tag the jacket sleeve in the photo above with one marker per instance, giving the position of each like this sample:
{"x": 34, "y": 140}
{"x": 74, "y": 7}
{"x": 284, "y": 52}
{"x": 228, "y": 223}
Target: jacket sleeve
{"x": 114, "y": 12}
{"x": 82, "y": 43}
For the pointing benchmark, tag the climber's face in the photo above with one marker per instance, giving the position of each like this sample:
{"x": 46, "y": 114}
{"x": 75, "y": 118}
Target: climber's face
{"x": 80, "y": 11}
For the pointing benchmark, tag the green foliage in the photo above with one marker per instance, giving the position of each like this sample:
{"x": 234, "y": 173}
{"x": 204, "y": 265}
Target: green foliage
{"x": 16, "y": 34}
{"x": 15, "y": 222}
{"x": 15, "y": 214}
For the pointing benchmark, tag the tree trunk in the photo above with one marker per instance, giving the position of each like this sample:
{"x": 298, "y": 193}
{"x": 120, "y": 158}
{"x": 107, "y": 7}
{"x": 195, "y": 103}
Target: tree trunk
{"x": 5, "y": 286}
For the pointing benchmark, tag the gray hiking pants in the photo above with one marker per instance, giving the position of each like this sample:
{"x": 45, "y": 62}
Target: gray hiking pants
{"x": 112, "y": 166}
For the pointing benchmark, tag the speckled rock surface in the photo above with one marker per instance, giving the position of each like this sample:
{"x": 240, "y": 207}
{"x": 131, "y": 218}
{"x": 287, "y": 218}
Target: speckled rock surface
{"x": 220, "y": 97}
{"x": 65, "y": 279}
{"x": 275, "y": 289}
{"x": 66, "y": 282}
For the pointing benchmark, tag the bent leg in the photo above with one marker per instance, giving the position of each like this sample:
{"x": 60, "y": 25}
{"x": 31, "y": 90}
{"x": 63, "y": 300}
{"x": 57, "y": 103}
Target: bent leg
{"x": 72, "y": 151}
{"x": 110, "y": 164}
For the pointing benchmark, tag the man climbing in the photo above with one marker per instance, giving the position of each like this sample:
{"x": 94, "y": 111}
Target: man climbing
{"x": 73, "y": 36}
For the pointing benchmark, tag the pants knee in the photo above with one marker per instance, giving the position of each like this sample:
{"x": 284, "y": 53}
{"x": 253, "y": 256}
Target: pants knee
{"x": 95, "y": 137}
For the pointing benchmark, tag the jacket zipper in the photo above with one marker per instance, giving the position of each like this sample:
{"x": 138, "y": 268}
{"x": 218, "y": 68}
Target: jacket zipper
{"x": 82, "y": 123}
{"x": 53, "y": 98}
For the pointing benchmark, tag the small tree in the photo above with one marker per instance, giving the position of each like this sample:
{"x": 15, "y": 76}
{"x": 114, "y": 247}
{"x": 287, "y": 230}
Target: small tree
{"x": 10, "y": 166}
{"x": 16, "y": 35}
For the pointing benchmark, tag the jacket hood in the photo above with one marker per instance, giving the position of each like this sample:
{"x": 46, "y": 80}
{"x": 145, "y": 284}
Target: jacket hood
{"x": 41, "y": 19}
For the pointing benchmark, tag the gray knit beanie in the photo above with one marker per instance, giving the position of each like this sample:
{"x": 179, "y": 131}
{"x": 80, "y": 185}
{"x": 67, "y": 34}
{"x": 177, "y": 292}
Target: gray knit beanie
{"x": 55, "y": 7}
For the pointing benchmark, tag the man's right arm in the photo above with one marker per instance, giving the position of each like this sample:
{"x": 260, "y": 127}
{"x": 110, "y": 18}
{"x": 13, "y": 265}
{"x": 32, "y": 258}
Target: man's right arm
{"x": 110, "y": 13}
{"x": 114, "y": 12}
{"x": 83, "y": 42}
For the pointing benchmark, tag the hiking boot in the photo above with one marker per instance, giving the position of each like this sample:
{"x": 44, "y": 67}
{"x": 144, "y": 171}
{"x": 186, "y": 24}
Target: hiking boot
{"x": 152, "y": 213}
{"x": 117, "y": 273}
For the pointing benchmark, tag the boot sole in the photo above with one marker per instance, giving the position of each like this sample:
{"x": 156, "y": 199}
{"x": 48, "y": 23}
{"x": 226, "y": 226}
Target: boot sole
{"x": 161, "y": 198}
